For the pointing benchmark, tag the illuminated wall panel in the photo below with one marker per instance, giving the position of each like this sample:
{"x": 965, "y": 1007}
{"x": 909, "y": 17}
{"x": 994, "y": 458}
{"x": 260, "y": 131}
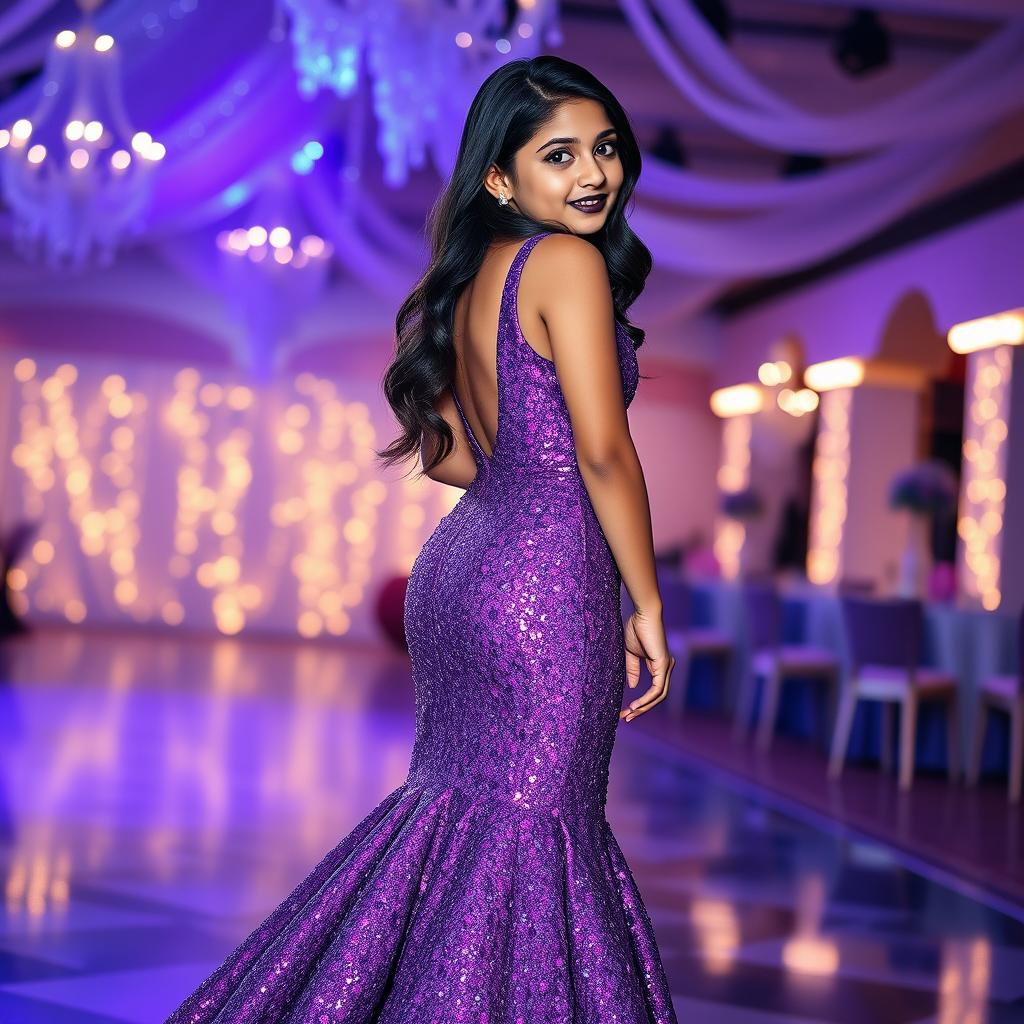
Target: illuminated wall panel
{"x": 185, "y": 498}
{"x": 831, "y": 468}
{"x": 733, "y": 475}
{"x": 866, "y": 435}
{"x": 983, "y": 480}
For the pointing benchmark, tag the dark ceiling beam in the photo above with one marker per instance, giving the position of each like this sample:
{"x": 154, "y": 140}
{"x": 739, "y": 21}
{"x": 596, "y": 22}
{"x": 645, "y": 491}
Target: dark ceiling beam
{"x": 781, "y": 28}
{"x": 969, "y": 10}
{"x": 988, "y": 194}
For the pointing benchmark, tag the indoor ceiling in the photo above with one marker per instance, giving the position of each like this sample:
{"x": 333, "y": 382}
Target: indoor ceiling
{"x": 786, "y": 43}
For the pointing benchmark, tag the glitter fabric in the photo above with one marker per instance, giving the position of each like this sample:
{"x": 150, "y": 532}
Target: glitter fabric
{"x": 488, "y": 888}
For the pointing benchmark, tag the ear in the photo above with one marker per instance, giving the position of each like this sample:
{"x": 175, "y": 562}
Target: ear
{"x": 495, "y": 182}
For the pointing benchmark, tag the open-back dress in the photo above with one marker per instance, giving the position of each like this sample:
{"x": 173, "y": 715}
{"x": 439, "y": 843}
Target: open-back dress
{"x": 487, "y": 888}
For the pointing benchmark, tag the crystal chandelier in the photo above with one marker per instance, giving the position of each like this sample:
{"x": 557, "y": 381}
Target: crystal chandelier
{"x": 273, "y": 270}
{"x": 424, "y": 58}
{"x": 75, "y": 174}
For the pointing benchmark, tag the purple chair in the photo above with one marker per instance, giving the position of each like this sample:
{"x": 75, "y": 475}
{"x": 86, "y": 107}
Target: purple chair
{"x": 1002, "y": 693}
{"x": 685, "y": 640}
{"x": 884, "y": 639}
{"x": 774, "y": 661}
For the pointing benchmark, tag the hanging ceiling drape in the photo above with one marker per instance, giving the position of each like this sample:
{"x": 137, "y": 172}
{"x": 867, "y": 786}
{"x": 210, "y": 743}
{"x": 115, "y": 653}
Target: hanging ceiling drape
{"x": 972, "y": 92}
{"x": 707, "y": 230}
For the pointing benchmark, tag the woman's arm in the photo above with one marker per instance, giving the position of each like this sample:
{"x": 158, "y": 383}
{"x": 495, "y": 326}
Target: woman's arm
{"x": 568, "y": 278}
{"x": 459, "y": 469}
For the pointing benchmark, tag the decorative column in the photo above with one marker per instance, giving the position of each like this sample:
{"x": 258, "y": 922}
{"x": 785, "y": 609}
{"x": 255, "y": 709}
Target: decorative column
{"x": 991, "y": 515}
{"x": 736, "y": 405}
{"x": 869, "y": 415}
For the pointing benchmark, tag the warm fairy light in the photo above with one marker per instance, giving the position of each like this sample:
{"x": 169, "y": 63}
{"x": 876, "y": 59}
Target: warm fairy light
{"x": 797, "y": 403}
{"x": 79, "y": 159}
{"x": 239, "y": 398}
{"x": 733, "y": 475}
{"x": 716, "y": 925}
{"x": 74, "y": 130}
{"x": 965, "y": 980}
{"x": 104, "y": 43}
{"x": 334, "y": 520}
{"x": 830, "y": 471}
{"x": 173, "y": 613}
{"x": 24, "y": 370}
{"x": 983, "y": 475}
{"x": 17, "y": 579}
{"x": 65, "y": 39}
{"x": 253, "y": 242}
{"x": 61, "y": 443}
{"x": 211, "y": 492}
{"x": 988, "y": 332}
{"x": 42, "y": 552}
{"x": 147, "y": 148}
{"x": 120, "y": 159}
{"x": 21, "y": 130}
{"x": 313, "y": 246}
{"x": 835, "y": 373}
{"x": 113, "y": 385}
{"x": 738, "y": 400}
{"x": 773, "y": 374}
{"x": 810, "y": 954}
{"x": 82, "y": 439}
{"x": 280, "y": 236}
{"x": 37, "y": 154}
{"x": 463, "y": 40}
{"x": 211, "y": 394}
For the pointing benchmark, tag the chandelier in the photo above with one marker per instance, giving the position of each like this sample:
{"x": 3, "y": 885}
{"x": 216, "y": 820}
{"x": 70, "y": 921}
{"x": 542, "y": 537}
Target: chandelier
{"x": 424, "y": 60}
{"x": 273, "y": 269}
{"x": 75, "y": 174}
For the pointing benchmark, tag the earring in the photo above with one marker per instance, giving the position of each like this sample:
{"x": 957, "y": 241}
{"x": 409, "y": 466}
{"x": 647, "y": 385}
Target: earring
{"x": 502, "y": 199}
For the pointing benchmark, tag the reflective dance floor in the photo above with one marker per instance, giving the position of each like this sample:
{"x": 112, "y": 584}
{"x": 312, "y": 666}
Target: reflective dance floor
{"x": 159, "y": 796}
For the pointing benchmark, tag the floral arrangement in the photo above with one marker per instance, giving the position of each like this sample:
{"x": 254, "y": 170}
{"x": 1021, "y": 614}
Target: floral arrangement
{"x": 742, "y": 505}
{"x": 925, "y": 489}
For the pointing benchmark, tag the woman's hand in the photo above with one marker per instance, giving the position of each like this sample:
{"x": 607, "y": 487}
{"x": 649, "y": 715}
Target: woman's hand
{"x": 645, "y": 638}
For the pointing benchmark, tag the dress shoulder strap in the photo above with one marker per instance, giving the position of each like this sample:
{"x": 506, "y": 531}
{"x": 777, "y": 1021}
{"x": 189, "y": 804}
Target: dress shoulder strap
{"x": 510, "y": 333}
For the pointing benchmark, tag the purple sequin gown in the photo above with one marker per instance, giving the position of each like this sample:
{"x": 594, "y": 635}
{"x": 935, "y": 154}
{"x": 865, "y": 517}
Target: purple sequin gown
{"x": 488, "y": 888}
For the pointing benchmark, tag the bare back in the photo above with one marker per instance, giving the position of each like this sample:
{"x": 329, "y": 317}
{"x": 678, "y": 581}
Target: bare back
{"x": 475, "y": 336}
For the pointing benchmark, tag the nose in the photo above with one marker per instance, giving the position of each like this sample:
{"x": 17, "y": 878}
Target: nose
{"x": 590, "y": 172}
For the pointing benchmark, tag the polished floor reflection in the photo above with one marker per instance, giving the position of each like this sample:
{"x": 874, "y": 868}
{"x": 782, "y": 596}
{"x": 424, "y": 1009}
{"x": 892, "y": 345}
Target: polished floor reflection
{"x": 160, "y": 796}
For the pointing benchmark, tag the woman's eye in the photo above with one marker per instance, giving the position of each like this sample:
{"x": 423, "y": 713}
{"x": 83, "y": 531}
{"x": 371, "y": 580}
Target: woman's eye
{"x": 559, "y": 152}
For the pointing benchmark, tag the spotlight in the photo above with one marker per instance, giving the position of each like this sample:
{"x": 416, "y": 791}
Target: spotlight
{"x": 862, "y": 44}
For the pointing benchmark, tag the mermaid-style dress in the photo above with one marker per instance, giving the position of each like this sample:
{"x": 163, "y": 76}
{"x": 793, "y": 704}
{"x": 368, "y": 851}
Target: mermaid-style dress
{"x": 488, "y": 888}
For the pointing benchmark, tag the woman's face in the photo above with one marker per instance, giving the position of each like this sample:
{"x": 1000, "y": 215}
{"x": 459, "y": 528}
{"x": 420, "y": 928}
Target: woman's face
{"x": 574, "y": 156}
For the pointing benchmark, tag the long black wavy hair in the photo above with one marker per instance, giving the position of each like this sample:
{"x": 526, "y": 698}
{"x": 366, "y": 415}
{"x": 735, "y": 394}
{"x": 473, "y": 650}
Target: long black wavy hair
{"x": 512, "y": 105}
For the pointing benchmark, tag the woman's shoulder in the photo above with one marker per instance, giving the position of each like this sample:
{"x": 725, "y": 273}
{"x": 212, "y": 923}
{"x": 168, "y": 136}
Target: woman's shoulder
{"x": 559, "y": 254}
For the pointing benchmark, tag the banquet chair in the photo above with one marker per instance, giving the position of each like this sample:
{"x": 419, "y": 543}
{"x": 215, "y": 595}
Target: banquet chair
{"x": 1002, "y": 693}
{"x": 774, "y": 662}
{"x": 884, "y": 641}
{"x": 687, "y": 641}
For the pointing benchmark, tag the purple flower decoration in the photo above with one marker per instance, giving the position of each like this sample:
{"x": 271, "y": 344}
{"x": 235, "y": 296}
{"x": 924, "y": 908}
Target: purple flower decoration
{"x": 925, "y": 489}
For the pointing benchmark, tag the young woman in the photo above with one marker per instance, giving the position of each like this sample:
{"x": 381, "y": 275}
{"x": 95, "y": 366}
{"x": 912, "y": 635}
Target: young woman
{"x": 489, "y": 888}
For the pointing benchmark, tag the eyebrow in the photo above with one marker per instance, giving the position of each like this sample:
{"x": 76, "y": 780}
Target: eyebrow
{"x": 575, "y": 142}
